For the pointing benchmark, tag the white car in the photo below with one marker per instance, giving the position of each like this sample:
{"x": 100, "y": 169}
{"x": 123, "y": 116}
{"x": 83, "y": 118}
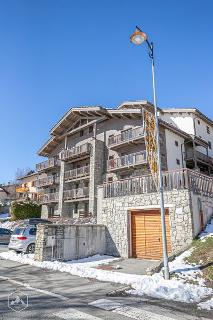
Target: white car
{"x": 23, "y": 239}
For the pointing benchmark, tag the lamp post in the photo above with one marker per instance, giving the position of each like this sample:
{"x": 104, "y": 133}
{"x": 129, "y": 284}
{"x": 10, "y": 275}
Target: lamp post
{"x": 137, "y": 38}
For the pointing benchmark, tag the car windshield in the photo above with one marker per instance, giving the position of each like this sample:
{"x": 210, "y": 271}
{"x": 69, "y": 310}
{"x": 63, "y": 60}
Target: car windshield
{"x": 18, "y": 231}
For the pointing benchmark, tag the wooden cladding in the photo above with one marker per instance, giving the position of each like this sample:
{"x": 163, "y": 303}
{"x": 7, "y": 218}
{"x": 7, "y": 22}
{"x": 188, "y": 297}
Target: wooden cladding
{"x": 147, "y": 236}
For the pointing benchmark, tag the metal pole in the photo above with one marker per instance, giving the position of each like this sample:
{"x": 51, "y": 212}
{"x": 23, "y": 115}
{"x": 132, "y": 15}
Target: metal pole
{"x": 161, "y": 191}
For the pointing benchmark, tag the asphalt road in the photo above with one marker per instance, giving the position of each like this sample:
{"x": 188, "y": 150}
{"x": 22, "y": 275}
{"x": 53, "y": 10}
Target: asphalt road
{"x": 52, "y": 295}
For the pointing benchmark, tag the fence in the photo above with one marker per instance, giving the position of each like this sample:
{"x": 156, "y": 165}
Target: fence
{"x": 172, "y": 180}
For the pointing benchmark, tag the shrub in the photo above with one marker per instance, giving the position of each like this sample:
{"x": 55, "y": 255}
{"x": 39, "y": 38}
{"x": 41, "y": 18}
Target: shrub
{"x": 25, "y": 210}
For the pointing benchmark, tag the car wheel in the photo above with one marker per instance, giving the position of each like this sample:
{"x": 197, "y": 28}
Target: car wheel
{"x": 31, "y": 248}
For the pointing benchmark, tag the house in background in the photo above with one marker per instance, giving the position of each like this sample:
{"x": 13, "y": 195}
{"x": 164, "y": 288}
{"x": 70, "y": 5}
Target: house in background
{"x": 7, "y": 195}
{"x": 26, "y": 188}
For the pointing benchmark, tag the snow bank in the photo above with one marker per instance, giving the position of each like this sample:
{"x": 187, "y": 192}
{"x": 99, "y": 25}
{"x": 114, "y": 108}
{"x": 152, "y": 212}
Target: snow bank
{"x": 154, "y": 286}
{"x": 208, "y": 305}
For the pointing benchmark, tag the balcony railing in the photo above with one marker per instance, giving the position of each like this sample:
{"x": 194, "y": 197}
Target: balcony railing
{"x": 126, "y": 136}
{"x": 172, "y": 180}
{"x": 189, "y": 154}
{"x": 47, "y": 181}
{"x": 77, "y": 173}
{"x": 50, "y": 163}
{"x": 49, "y": 197}
{"x": 127, "y": 160}
{"x": 75, "y": 152}
{"x": 76, "y": 193}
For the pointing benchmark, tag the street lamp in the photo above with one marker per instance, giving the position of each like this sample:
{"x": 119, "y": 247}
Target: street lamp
{"x": 138, "y": 37}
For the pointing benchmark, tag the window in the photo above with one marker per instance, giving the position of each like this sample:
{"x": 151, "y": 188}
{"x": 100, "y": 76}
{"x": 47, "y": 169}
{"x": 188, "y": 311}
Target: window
{"x": 110, "y": 179}
{"x": 208, "y": 129}
{"x": 32, "y": 232}
{"x": 210, "y": 144}
{"x": 111, "y": 157}
{"x": 81, "y": 133}
{"x": 75, "y": 207}
{"x": 178, "y": 161}
{"x": 176, "y": 143}
{"x": 90, "y": 129}
{"x": 198, "y": 121}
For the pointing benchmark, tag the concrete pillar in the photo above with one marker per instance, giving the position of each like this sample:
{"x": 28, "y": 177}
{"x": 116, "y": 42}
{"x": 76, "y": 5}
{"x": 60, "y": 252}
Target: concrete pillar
{"x": 96, "y": 172}
{"x": 61, "y": 189}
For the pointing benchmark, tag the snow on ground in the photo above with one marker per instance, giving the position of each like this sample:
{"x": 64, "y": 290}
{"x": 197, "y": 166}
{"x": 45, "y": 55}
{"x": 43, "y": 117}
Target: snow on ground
{"x": 154, "y": 285}
{"x": 208, "y": 232}
{"x": 4, "y": 216}
{"x": 208, "y": 305}
{"x": 9, "y": 224}
{"x": 185, "y": 271}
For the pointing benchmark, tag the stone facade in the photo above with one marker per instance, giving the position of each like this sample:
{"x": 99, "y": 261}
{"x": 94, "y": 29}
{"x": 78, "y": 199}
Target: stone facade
{"x": 115, "y": 214}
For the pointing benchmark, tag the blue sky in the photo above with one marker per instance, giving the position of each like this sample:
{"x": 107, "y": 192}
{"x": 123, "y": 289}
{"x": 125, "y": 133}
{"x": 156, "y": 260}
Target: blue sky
{"x": 58, "y": 54}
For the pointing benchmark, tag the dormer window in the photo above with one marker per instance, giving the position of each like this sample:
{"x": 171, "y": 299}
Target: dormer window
{"x": 198, "y": 121}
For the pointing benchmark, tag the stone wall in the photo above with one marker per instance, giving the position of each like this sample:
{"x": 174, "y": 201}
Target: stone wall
{"x": 68, "y": 242}
{"x": 114, "y": 213}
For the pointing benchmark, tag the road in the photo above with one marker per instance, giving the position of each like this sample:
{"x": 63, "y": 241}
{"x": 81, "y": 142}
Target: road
{"x": 55, "y": 295}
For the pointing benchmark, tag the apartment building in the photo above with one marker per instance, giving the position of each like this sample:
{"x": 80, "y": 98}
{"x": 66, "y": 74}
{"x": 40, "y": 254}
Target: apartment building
{"x": 198, "y": 148}
{"x": 26, "y": 188}
{"x": 93, "y": 145}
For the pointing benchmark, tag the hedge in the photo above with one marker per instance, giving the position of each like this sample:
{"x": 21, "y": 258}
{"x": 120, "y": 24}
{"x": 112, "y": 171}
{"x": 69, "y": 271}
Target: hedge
{"x": 25, "y": 210}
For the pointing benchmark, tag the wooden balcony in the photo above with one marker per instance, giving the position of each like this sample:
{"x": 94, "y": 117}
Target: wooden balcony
{"x": 78, "y": 173}
{"x": 190, "y": 155}
{"x": 172, "y": 180}
{"x": 75, "y": 153}
{"x": 48, "y": 164}
{"x": 75, "y": 194}
{"x": 125, "y": 137}
{"x": 126, "y": 161}
{"x": 49, "y": 198}
{"x": 47, "y": 181}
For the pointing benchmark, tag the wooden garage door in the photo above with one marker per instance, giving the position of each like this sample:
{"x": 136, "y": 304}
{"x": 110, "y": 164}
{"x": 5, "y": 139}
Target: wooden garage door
{"x": 147, "y": 235}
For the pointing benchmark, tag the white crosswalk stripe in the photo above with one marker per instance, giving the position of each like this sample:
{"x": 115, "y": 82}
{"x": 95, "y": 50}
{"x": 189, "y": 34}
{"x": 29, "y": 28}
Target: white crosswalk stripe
{"x": 127, "y": 311}
{"x": 105, "y": 304}
{"x": 74, "y": 314}
{"x": 139, "y": 314}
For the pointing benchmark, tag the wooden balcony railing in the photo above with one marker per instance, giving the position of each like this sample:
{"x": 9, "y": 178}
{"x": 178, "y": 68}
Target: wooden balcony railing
{"x": 126, "y": 136}
{"x": 50, "y": 163}
{"x": 49, "y": 197}
{"x": 172, "y": 180}
{"x": 76, "y": 193}
{"x": 127, "y": 160}
{"x": 189, "y": 154}
{"x": 75, "y": 152}
{"x": 47, "y": 181}
{"x": 77, "y": 173}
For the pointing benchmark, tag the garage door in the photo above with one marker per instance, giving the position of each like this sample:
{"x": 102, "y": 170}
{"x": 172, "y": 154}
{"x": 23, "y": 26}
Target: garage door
{"x": 147, "y": 235}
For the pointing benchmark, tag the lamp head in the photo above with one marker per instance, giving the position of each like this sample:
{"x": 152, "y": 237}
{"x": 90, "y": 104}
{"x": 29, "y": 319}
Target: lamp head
{"x": 138, "y": 36}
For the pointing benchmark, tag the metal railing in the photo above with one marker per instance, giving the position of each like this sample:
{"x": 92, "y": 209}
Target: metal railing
{"x": 77, "y": 173}
{"x": 67, "y": 154}
{"x": 172, "y": 180}
{"x": 50, "y": 163}
{"x": 47, "y": 181}
{"x": 49, "y": 197}
{"x": 76, "y": 193}
{"x": 127, "y": 160}
{"x": 126, "y": 136}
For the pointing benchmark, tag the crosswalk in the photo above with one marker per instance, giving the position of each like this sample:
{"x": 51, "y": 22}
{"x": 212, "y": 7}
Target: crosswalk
{"x": 116, "y": 309}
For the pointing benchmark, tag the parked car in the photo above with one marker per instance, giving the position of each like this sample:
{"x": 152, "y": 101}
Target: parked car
{"x": 5, "y": 235}
{"x": 23, "y": 237}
